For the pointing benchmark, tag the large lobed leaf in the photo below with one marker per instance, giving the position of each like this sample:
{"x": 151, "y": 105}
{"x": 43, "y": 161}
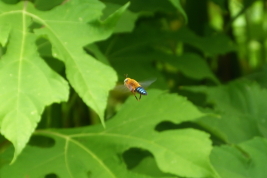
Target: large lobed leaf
{"x": 97, "y": 152}
{"x": 68, "y": 30}
{"x": 28, "y": 84}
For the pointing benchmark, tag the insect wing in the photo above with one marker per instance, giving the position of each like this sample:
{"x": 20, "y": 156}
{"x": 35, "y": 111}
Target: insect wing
{"x": 146, "y": 83}
{"x": 121, "y": 89}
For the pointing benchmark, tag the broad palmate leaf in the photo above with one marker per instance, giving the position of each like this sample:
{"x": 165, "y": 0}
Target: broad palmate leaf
{"x": 69, "y": 28}
{"x": 28, "y": 84}
{"x": 95, "y": 152}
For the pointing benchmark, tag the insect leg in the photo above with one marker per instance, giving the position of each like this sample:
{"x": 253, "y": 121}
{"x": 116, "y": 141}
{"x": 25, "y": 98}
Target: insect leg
{"x": 135, "y": 95}
{"x": 140, "y": 96}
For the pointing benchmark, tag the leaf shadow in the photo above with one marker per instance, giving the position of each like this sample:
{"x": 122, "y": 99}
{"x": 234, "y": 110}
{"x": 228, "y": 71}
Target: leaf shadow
{"x": 51, "y": 175}
{"x": 41, "y": 141}
{"x": 142, "y": 161}
{"x": 167, "y": 125}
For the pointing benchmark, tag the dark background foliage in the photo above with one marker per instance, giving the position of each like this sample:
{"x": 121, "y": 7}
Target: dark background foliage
{"x": 213, "y": 52}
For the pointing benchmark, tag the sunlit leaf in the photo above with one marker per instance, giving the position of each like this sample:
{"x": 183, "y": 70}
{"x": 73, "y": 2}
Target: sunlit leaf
{"x": 77, "y": 152}
{"x": 29, "y": 84}
{"x": 81, "y": 69}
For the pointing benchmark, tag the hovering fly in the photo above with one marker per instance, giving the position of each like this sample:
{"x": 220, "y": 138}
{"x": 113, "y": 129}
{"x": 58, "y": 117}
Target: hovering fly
{"x": 136, "y": 87}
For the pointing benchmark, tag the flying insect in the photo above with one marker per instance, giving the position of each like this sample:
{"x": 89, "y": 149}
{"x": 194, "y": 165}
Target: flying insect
{"x": 136, "y": 87}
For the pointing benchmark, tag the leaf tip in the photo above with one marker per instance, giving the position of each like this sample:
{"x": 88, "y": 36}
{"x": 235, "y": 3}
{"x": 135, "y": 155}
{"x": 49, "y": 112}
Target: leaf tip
{"x": 104, "y": 125}
{"x": 16, "y": 153}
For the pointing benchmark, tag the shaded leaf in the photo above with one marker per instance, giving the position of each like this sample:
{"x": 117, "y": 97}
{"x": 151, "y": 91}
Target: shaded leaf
{"x": 241, "y": 105}
{"x": 259, "y": 76}
{"x": 92, "y": 48}
{"x": 177, "y": 4}
{"x": 43, "y": 5}
{"x": 193, "y": 66}
{"x": 221, "y": 3}
{"x": 209, "y": 45}
{"x": 149, "y": 5}
{"x": 246, "y": 162}
{"x": 148, "y": 166}
{"x": 138, "y": 57}
{"x": 127, "y": 21}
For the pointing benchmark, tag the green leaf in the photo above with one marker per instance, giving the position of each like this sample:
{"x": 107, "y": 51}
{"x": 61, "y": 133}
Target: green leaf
{"x": 68, "y": 39}
{"x": 148, "y": 45}
{"x": 148, "y": 166}
{"x": 248, "y": 3}
{"x": 177, "y": 4}
{"x": 209, "y": 45}
{"x": 241, "y": 105}
{"x": 5, "y": 30}
{"x": 193, "y": 66}
{"x": 43, "y": 5}
{"x": 131, "y": 58}
{"x": 148, "y": 5}
{"x": 246, "y": 162}
{"x": 78, "y": 152}
{"x": 127, "y": 21}
{"x": 138, "y": 57}
{"x": 152, "y": 6}
{"x": 221, "y": 3}
{"x": 92, "y": 48}
{"x": 44, "y": 49}
{"x": 28, "y": 84}
{"x": 259, "y": 76}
